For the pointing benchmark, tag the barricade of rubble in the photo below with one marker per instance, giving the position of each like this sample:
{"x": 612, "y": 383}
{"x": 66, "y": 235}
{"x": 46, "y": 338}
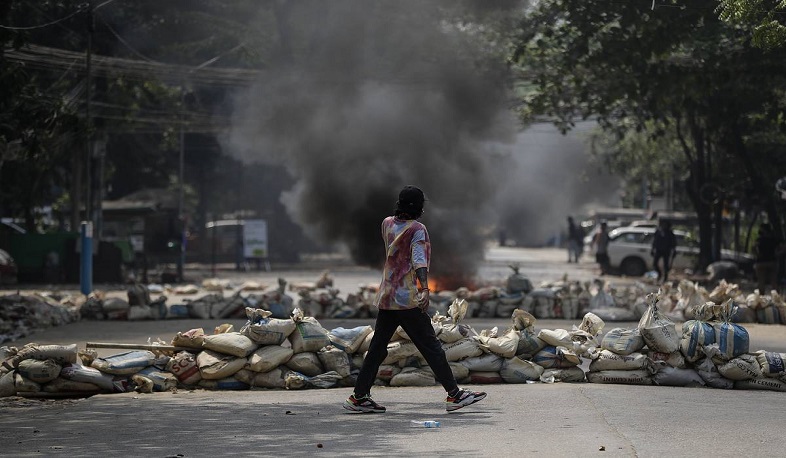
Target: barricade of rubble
{"x": 21, "y": 315}
{"x": 298, "y": 353}
{"x": 563, "y": 299}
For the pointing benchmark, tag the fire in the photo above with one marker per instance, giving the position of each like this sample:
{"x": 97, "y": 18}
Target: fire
{"x": 442, "y": 283}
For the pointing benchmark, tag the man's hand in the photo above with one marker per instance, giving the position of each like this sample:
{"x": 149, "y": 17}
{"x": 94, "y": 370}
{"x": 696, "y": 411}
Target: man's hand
{"x": 423, "y": 299}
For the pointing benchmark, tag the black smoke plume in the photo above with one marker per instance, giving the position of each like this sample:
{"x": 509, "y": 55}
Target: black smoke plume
{"x": 381, "y": 95}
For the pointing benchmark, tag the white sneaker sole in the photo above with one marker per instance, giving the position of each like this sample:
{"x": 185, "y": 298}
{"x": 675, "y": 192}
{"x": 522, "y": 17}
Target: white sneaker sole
{"x": 355, "y": 409}
{"x": 453, "y": 407}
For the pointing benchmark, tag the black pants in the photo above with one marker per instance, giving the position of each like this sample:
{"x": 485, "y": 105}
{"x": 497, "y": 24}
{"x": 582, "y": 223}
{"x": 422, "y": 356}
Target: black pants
{"x": 418, "y": 327}
{"x": 662, "y": 274}
{"x": 603, "y": 260}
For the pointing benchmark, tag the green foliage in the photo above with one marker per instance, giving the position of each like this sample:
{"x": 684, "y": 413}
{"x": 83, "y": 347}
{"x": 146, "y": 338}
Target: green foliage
{"x": 764, "y": 19}
{"x": 670, "y": 74}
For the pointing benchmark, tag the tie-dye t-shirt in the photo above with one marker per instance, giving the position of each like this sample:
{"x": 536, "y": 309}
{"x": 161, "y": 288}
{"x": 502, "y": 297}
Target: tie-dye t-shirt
{"x": 408, "y": 249}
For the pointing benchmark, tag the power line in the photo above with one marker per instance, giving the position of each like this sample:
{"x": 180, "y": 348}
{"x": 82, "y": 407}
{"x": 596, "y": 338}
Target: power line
{"x": 80, "y": 9}
{"x": 123, "y": 41}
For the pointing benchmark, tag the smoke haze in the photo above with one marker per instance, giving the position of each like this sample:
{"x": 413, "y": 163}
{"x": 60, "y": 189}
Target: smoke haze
{"x": 385, "y": 96}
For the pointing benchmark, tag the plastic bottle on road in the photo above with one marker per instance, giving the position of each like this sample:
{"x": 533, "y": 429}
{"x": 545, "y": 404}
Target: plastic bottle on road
{"x": 424, "y": 424}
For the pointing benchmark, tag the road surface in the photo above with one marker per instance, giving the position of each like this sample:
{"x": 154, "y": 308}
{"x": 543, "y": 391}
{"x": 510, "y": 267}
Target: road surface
{"x": 515, "y": 420}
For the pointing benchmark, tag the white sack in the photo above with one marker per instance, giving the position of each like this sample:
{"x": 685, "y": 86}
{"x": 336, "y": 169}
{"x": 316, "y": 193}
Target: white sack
{"x": 39, "y": 371}
{"x": 268, "y": 358}
{"x": 215, "y": 366}
{"x": 485, "y": 362}
{"x": 638, "y": 377}
{"x": 517, "y": 370}
{"x": 126, "y": 363}
{"x": 462, "y": 349}
{"x": 566, "y": 375}
{"x": 410, "y": 376}
{"x": 622, "y": 341}
{"x": 743, "y": 367}
{"x": 230, "y": 343}
{"x": 307, "y": 363}
{"x": 606, "y": 360}
{"x": 335, "y": 360}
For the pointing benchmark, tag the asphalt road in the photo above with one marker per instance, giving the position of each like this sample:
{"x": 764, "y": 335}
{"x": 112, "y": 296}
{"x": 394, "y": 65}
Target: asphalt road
{"x": 515, "y": 420}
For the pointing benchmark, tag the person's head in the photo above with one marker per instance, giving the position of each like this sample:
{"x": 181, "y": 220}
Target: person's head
{"x": 410, "y": 203}
{"x": 604, "y": 225}
{"x": 765, "y": 228}
{"x": 570, "y": 220}
{"x": 665, "y": 224}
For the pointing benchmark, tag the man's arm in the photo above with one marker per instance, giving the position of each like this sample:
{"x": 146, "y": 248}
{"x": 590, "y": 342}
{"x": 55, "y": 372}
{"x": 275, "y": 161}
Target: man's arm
{"x": 422, "y": 275}
{"x": 423, "y": 292}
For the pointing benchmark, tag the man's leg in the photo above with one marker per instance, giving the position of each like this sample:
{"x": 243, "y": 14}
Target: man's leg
{"x": 387, "y": 322}
{"x": 656, "y": 264}
{"x": 666, "y": 266}
{"x": 417, "y": 325}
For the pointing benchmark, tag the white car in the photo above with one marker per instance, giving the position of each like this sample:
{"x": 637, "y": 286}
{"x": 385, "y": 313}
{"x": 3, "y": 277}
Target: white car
{"x": 630, "y": 251}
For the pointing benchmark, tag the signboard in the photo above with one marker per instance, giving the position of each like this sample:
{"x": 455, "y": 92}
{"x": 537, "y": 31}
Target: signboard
{"x": 255, "y": 238}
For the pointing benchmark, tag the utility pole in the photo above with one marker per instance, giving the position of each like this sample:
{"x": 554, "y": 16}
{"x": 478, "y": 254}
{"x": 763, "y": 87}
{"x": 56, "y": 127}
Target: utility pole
{"x": 86, "y": 227}
{"x": 181, "y": 189}
{"x": 88, "y": 117}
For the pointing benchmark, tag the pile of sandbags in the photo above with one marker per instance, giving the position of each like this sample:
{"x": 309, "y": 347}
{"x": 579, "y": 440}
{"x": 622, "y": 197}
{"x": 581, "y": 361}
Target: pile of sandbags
{"x": 22, "y": 315}
{"x": 297, "y": 353}
{"x": 53, "y": 370}
{"x": 710, "y": 350}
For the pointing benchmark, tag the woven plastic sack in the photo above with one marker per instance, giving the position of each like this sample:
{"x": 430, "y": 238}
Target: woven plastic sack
{"x": 126, "y": 363}
{"x": 306, "y": 363}
{"x": 622, "y": 341}
{"x": 308, "y": 335}
{"x": 215, "y": 366}
{"x": 743, "y": 367}
{"x": 695, "y": 335}
{"x": 268, "y": 358}
{"x": 658, "y": 332}
{"x": 639, "y": 377}
{"x": 517, "y": 370}
{"x": 566, "y": 375}
{"x": 265, "y": 330}
{"x": 606, "y": 360}
{"x": 230, "y": 343}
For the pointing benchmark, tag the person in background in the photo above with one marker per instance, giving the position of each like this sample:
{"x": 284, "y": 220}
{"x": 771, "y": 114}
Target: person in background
{"x": 664, "y": 248}
{"x": 601, "y": 244}
{"x": 402, "y": 303}
{"x": 767, "y": 249}
{"x": 575, "y": 240}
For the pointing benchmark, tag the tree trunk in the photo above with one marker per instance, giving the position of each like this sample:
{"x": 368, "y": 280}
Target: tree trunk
{"x": 696, "y": 180}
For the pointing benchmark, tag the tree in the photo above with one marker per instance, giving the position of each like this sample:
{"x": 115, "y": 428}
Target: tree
{"x": 37, "y": 129}
{"x": 675, "y": 70}
{"x": 763, "y": 17}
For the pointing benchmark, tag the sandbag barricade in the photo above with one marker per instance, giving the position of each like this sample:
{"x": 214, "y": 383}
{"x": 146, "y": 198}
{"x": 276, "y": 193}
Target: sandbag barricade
{"x": 297, "y": 353}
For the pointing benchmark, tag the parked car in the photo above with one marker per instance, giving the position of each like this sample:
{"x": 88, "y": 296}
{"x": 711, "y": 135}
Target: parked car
{"x": 8, "y": 269}
{"x": 629, "y": 251}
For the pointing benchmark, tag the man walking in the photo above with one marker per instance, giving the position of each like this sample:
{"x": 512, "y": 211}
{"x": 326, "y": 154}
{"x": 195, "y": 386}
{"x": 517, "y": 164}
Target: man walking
{"x": 601, "y": 243}
{"x": 664, "y": 247}
{"x": 575, "y": 240}
{"x": 402, "y": 303}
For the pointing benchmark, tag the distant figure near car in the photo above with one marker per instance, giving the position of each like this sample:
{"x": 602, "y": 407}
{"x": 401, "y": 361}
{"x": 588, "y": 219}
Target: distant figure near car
{"x": 601, "y": 244}
{"x": 664, "y": 248}
{"x": 575, "y": 240}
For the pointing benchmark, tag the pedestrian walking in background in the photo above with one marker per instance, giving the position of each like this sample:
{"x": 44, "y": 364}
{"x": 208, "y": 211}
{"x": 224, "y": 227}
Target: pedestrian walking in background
{"x": 402, "y": 303}
{"x": 600, "y": 243}
{"x": 767, "y": 249}
{"x": 664, "y": 248}
{"x": 575, "y": 240}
